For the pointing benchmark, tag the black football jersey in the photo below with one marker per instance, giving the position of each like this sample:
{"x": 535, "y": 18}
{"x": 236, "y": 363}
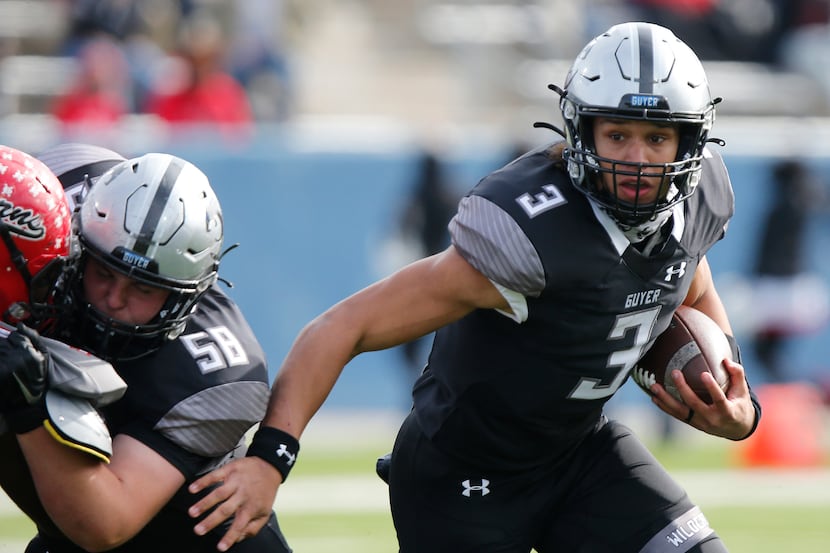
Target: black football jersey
{"x": 198, "y": 393}
{"x": 192, "y": 401}
{"x": 510, "y": 394}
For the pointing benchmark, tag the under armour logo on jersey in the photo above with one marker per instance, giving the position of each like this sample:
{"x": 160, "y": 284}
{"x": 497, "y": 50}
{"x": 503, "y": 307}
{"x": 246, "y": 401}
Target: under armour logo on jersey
{"x": 469, "y": 488}
{"x": 283, "y": 452}
{"x": 678, "y": 272}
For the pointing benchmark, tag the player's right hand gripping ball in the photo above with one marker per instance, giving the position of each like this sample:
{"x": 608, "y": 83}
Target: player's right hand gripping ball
{"x": 693, "y": 343}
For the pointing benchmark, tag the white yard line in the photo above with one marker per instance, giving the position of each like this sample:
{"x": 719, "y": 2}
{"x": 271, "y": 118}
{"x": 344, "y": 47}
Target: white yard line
{"x": 736, "y": 487}
{"x": 324, "y": 494}
{"x": 333, "y": 494}
{"x": 739, "y": 487}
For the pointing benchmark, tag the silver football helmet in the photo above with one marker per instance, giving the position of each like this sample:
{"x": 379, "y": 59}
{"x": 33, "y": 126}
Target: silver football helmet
{"x": 156, "y": 219}
{"x": 638, "y": 71}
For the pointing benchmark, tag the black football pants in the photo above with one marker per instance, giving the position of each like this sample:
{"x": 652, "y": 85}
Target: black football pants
{"x": 610, "y": 496}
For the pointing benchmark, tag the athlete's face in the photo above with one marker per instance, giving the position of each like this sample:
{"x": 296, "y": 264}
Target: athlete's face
{"x": 121, "y": 297}
{"x": 632, "y": 143}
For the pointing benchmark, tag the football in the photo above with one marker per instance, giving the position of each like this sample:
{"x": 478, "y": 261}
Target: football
{"x": 694, "y": 344}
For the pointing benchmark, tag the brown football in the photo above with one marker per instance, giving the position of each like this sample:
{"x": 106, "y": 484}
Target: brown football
{"x": 694, "y": 344}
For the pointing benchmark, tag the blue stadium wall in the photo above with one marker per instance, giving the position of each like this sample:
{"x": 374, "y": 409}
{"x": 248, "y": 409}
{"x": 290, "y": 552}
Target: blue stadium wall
{"x": 312, "y": 226}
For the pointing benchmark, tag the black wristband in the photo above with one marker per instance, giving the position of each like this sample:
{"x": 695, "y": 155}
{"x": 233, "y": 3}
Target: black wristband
{"x": 277, "y": 448}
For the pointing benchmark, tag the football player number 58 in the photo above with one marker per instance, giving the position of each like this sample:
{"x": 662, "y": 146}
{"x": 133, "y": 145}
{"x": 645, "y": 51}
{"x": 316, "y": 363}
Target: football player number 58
{"x": 215, "y": 348}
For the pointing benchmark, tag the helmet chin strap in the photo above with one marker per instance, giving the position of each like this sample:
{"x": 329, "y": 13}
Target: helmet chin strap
{"x": 18, "y": 310}
{"x": 15, "y": 254}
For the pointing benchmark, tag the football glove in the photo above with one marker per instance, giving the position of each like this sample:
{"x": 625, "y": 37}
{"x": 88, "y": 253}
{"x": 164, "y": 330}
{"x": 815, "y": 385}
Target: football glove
{"x": 27, "y": 402}
{"x": 24, "y": 366}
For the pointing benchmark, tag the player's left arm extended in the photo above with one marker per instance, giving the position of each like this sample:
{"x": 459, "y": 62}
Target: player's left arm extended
{"x": 735, "y": 410}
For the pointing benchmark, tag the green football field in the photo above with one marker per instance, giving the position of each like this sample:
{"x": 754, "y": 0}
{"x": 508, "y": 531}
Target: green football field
{"x": 333, "y": 502}
{"x": 764, "y": 510}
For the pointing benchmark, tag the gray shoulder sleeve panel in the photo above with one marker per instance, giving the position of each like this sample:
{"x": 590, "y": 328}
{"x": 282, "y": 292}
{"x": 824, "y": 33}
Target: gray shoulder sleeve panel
{"x": 211, "y": 422}
{"x": 492, "y": 242}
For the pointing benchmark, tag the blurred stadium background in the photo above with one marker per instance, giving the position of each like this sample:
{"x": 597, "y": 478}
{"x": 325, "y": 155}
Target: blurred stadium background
{"x": 356, "y": 91}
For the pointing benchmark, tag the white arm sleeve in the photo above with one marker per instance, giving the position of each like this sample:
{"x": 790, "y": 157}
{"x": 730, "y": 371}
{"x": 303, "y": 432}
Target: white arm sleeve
{"x": 518, "y": 303}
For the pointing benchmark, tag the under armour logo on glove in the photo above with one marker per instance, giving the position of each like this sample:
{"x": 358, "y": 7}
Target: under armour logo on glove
{"x": 469, "y": 488}
{"x": 283, "y": 452}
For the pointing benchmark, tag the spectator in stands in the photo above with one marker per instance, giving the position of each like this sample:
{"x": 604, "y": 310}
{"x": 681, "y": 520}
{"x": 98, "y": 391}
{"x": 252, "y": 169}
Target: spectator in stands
{"x": 719, "y": 30}
{"x": 143, "y": 34}
{"x": 100, "y": 93}
{"x": 805, "y": 48}
{"x": 257, "y": 56}
{"x": 195, "y": 87}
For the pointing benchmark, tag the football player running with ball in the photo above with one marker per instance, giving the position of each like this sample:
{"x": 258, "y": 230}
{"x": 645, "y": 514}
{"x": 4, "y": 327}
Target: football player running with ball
{"x": 144, "y": 296}
{"x": 564, "y": 267}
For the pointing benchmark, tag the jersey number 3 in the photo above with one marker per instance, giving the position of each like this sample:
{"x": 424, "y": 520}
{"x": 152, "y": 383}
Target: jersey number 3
{"x": 539, "y": 203}
{"x": 642, "y": 323}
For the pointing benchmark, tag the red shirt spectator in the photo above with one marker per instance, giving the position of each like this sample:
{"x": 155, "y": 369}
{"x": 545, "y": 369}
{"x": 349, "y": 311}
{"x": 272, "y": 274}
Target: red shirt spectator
{"x": 99, "y": 94}
{"x": 194, "y": 87}
{"x": 214, "y": 98}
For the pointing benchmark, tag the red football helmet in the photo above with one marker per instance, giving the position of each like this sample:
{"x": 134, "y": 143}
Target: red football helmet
{"x": 35, "y": 230}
